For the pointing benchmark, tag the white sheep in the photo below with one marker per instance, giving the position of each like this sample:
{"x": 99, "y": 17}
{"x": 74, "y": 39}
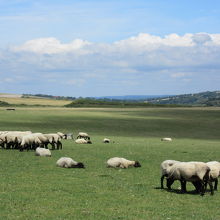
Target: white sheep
{"x": 195, "y": 172}
{"x": 214, "y": 172}
{"x": 82, "y": 141}
{"x": 42, "y": 152}
{"x": 165, "y": 169}
{"x": 62, "y": 135}
{"x": 29, "y": 141}
{"x": 54, "y": 139}
{"x": 68, "y": 162}
{"x": 166, "y": 139}
{"x": 106, "y": 140}
{"x": 122, "y": 163}
{"x": 83, "y": 135}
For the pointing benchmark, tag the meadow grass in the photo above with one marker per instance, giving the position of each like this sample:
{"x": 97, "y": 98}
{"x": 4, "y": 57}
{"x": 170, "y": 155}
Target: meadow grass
{"x": 34, "y": 188}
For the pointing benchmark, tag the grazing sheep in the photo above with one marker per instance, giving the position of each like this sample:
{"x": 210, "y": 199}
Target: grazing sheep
{"x": 165, "y": 169}
{"x": 68, "y": 162}
{"x": 62, "y": 136}
{"x": 106, "y": 140}
{"x": 83, "y": 135}
{"x": 82, "y": 141}
{"x": 166, "y": 139}
{"x": 122, "y": 163}
{"x": 215, "y": 172}
{"x": 30, "y": 142}
{"x": 195, "y": 172}
{"x": 54, "y": 139}
{"x": 42, "y": 152}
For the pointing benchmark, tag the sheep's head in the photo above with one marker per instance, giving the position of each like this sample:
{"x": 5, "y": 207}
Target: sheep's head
{"x": 89, "y": 142}
{"x": 137, "y": 164}
{"x": 80, "y": 165}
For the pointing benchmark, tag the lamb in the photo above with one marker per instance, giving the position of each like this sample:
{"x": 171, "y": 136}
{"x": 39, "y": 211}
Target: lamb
{"x": 165, "y": 169}
{"x": 82, "y": 141}
{"x": 42, "y": 152}
{"x": 195, "y": 172}
{"x": 83, "y": 135}
{"x": 106, "y": 140}
{"x": 166, "y": 139}
{"x": 122, "y": 163}
{"x": 68, "y": 162}
{"x": 215, "y": 172}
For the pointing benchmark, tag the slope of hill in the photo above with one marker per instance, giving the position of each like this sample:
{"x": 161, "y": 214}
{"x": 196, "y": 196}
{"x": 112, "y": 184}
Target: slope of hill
{"x": 197, "y": 99}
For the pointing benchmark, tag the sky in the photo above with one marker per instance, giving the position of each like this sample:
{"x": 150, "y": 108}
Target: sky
{"x": 109, "y": 47}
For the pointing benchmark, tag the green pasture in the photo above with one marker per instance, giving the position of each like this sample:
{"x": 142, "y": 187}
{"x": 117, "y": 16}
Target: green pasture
{"x": 34, "y": 188}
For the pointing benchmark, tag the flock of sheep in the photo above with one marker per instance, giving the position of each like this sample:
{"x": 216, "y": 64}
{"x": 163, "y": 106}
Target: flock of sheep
{"x": 198, "y": 173}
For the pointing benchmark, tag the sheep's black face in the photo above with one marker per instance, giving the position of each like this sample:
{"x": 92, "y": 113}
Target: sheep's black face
{"x": 80, "y": 165}
{"x": 137, "y": 164}
{"x": 89, "y": 142}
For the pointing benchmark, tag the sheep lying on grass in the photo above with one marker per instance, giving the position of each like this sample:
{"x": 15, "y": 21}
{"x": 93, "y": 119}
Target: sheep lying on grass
{"x": 82, "y": 141}
{"x": 68, "y": 162}
{"x": 166, "y": 139}
{"x": 214, "y": 172}
{"x": 165, "y": 169}
{"x": 195, "y": 172}
{"x": 122, "y": 163}
{"x": 106, "y": 140}
{"x": 42, "y": 152}
{"x": 83, "y": 135}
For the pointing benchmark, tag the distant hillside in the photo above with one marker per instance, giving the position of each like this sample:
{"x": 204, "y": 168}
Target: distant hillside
{"x": 133, "y": 97}
{"x": 196, "y": 99}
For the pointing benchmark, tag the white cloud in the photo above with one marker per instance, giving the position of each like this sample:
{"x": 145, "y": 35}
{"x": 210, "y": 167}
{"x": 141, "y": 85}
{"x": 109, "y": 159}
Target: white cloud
{"x": 50, "y": 46}
{"x": 143, "y": 60}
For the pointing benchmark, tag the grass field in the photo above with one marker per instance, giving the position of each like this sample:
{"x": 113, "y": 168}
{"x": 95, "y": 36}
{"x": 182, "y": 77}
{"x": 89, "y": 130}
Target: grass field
{"x": 34, "y": 188}
{"x": 34, "y": 101}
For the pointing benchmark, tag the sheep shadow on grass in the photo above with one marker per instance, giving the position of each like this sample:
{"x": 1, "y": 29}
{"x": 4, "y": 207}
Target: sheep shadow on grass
{"x": 178, "y": 191}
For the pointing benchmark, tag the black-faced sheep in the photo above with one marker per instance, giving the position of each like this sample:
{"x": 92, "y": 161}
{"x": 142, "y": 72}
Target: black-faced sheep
{"x": 42, "y": 152}
{"x": 83, "y": 135}
{"x": 68, "y": 162}
{"x": 195, "y": 172}
{"x": 214, "y": 172}
{"x": 165, "y": 169}
{"x": 30, "y": 142}
{"x": 122, "y": 163}
{"x": 106, "y": 140}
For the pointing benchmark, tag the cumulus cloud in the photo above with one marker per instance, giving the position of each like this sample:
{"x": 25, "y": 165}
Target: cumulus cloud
{"x": 142, "y": 59}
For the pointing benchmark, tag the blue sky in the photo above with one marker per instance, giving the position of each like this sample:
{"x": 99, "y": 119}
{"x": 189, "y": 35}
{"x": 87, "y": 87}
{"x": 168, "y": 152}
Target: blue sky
{"x": 118, "y": 47}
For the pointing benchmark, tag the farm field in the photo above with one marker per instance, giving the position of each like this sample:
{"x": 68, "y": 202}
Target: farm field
{"x": 34, "y": 188}
{"x": 34, "y": 101}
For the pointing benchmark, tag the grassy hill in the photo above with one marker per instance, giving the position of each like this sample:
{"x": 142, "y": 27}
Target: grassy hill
{"x": 196, "y": 99}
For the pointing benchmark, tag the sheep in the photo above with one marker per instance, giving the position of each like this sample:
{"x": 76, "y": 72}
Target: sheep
{"x": 122, "y": 163}
{"x": 68, "y": 162}
{"x": 106, "y": 140}
{"x": 42, "y": 152}
{"x": 165, "y": 169}
{"x": 215, "y": 172}
{"x": 82, "y": 141}
{"x": 61, "y": 135}
{"x": 166, "y": 139}
{"x": 195, "y": 172}
{"x": 83, "y": 135}
{"x": 54, "y": 139}
{"x": 29, "y": 141}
